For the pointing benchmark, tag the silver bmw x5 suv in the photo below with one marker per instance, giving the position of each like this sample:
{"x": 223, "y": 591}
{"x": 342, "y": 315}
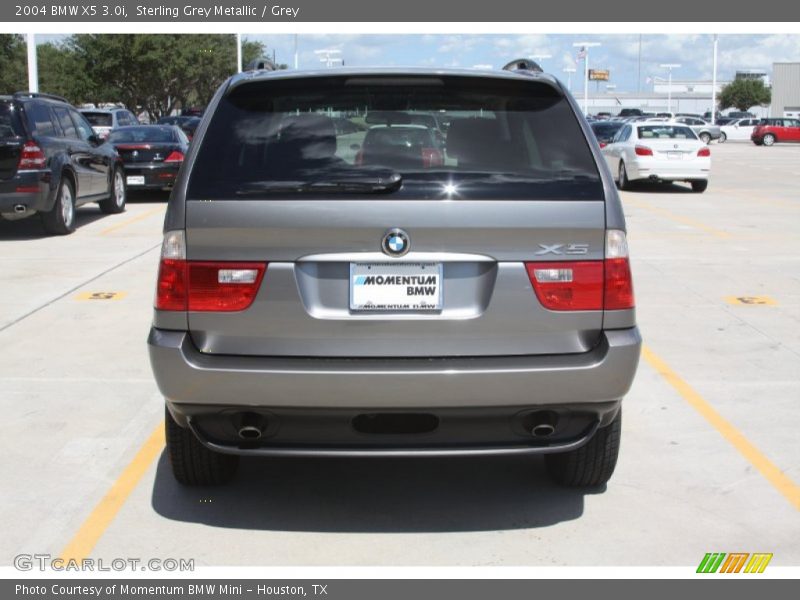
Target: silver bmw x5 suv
{"x": 374, "y": 263}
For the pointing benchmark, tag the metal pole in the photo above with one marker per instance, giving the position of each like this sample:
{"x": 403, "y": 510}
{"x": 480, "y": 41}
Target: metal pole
{"x": 586, "y": 83}
{"x": 33, "y": 70}
{"x": 639, "y": 76}
{"x": 714, "y": 84}
{"x": 239, "y": 52}
{"x": 669, "y": 92}
{"x": 296, "y": 62}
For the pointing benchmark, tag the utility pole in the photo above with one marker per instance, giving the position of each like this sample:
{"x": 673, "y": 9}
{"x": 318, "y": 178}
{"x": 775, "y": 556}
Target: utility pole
{"x": 296, "y": 62}
{"x": 714, "y": 83}
{"x": 33, "y": 69}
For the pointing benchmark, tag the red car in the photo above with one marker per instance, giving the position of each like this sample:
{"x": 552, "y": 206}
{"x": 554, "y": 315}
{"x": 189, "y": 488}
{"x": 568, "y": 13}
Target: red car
{"x": 769, "y": 131}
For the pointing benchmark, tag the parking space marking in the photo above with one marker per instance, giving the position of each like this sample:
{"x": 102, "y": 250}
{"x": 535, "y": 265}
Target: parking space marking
{"x": 136, "y": 219}
{"x": 751, "y": 300}
{"x": 673, "y": 217}
{"x": 101, "y": 295}
{"x": 779, "y": 480}
{"x": 100, "y": 518}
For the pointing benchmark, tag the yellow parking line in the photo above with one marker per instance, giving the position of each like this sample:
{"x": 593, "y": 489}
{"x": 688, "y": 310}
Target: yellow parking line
{"x": 677, "y": 218}
{"x": 97, "y": 522}
{"x": 783, "y": 484}
{"x": 135, "y": 219}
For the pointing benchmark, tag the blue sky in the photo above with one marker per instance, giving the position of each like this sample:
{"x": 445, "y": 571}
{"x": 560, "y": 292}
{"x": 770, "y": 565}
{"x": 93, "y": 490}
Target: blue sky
{"x": 617, "y": 52}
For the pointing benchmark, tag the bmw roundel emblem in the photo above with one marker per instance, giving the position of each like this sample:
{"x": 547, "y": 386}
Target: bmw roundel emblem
{"x": 395, "y": 242}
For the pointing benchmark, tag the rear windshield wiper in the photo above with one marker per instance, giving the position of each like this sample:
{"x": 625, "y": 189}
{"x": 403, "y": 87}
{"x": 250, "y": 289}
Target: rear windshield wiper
{"x": 350, "y": 184}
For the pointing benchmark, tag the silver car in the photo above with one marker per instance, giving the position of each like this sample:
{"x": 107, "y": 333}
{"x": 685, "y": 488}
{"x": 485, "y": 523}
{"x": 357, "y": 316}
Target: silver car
{"x": 704, "y": 130}
{"x": 471, "y": 297}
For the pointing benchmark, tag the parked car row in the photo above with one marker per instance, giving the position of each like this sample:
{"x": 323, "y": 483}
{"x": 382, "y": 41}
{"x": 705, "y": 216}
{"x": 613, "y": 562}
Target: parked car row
{"x": 55, "y": 158}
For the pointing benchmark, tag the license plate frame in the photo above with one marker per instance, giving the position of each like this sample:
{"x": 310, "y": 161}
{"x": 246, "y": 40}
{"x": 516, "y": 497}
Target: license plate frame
{"x": 388, "y": 297}
{"x": 134, "y": 180}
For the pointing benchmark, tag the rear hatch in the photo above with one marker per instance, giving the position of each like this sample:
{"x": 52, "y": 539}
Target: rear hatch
{"x": 670, "y": 142}
{"x": 11, "y": 139}
{"x": 274, "y": 184}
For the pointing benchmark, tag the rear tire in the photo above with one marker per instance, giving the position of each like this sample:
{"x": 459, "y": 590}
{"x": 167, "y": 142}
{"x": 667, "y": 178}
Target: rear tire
{"x": 622, "y": 177}
{"x": 60, "y": 220}
{"x": 191, "y": 462}
{"x": 699, "y": 186}
{"x": 593, "y": 463}
{"x": 722, "y": 138}
{"x": 115, "y": 203}
{"x": 705, "y": 138}
{"x": 769, "y": 139}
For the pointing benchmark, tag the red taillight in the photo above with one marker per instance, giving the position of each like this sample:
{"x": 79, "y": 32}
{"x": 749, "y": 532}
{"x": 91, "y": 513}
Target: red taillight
{"x": 603, "y": 144}
{"x": 174, "y": 156}
{"x": 31, "y": 157}
{"x": 571, "y": 285}
{"x": 618, "y": 284}
{"x": 207, "y": 286}
{"x": 431, "y": 157}
{"x": 589, "y": 284}
{"x": 643, "y": 151}
{"x": 171, "y": 290}
{"x": 26, "y": 189}
{"x": 704, "y": 152}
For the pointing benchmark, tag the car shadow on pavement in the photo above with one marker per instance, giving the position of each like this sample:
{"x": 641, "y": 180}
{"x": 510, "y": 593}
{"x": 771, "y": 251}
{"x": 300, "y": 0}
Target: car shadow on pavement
{"x": 660, "y": 188}
{"x": 374, "y": 495}
{"x": 31, "y": 228}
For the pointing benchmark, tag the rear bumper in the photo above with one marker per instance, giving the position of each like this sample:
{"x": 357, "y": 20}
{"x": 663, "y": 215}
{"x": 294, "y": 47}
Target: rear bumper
{"x": 156, "y": 175}
{"x": 186, "y": 376}
{"x": 30, "y": 189}
{"x": 662, "y": 170}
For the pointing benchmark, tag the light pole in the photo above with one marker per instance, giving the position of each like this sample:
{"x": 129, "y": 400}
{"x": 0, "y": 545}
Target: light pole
{"x": 669, "y": 67}
{"x": 239, "y": 52}
{"x": 585, "y": 52}
{"x": 33, "y": 69}
{"x": 714, "y": 84}
{"x": 569, "y": 71}
{"x": 296, "y": 60}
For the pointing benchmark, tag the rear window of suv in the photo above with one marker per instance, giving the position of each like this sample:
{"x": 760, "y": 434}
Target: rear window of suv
{"x": 99, "y": 119}
{"x": 10, "y": 125}
{"x": 442, "y": 136}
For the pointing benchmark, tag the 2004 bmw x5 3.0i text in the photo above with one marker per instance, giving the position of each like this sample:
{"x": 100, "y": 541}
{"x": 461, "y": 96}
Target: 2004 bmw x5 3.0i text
{"x": 463, "y": 291}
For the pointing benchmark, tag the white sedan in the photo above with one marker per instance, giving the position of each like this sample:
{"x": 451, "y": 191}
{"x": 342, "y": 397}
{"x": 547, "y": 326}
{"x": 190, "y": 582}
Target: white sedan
{"x": 658, "y": 151}
{"x": 740, "y": 129}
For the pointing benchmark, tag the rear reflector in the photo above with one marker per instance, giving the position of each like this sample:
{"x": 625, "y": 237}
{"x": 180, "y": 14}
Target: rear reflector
{"x": 589, "y": 284}
{"x": 31, "y": 157}
{"x": 643, "y": 151}
{"x": 27, "y": 189}
{"x": 704, "y": 152}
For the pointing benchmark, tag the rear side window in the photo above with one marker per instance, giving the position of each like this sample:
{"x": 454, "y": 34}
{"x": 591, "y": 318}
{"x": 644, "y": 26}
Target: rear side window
{"x": 10, "y": 125}
{"x": 67, "y": 126}
{"x": 41, "y": 119}
{"x": 479, "y": 138}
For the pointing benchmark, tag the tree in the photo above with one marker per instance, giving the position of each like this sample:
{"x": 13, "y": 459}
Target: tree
{"x": 744, "y": 93}
{"x": 13, "y": 63}
{"x": 62, "y": 72}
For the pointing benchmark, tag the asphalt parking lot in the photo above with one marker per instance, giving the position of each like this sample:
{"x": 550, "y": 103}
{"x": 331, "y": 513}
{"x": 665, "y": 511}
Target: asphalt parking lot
{"x": 710, "y": 448}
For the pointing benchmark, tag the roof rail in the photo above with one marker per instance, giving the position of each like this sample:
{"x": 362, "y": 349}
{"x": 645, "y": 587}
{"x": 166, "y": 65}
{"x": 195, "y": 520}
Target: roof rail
{"x": 523, "y": 64}
{"x": 41, "y": 95}
{"x": 261, "y": 64}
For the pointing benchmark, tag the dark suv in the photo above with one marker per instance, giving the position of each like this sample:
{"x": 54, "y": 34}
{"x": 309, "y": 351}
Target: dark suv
{"x": 51, "y": 161}
{"x": 321, "y": 295}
